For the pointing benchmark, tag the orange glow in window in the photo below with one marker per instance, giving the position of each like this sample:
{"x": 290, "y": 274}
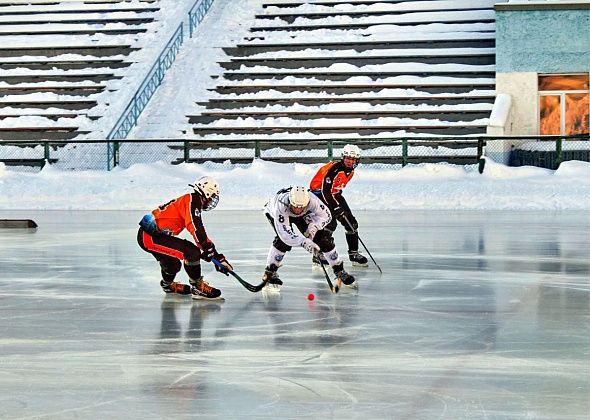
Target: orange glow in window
{"x": 563, "y": 82}
{"x": 550, "y": 115}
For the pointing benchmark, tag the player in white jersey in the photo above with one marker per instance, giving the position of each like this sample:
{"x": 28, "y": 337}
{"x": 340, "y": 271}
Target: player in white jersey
{"x": 296, "y": 206}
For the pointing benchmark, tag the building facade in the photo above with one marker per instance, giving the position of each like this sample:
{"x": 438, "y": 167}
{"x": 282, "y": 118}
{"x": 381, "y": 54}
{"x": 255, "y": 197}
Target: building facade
{"x": 543, "y": 64}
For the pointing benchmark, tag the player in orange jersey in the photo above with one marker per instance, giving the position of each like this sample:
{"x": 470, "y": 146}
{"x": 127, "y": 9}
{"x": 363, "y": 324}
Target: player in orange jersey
{"x": 158, "y": 235}
{"x": 328, "y": 184}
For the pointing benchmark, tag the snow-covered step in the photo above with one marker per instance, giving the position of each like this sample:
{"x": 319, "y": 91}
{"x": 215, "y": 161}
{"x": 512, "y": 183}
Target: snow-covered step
{"x": 19, "y": 49}
{"x": 58, "y": 77}
{"x": 376, "y": 33}
{"x": 473, "y": 56}
{"x": 429, "y": 85}
{"x": 416, "y": 113}
{"x": 127, "y": 18}
{"x": 404, "y": 19}
{"x": 70, "y": 29}
{"x": 54, "y": 116}
{"x": 287, "y": 4}
{"x": 341, "y": 73}
{"x": 40, "y": 133}
{"x": 290, "y": 12}
{"x": 244, "y": 101}
{"x": 70, "y": 104}
{"x": 54, "y": 8}
{"x": 4, "y": 3}
{"x": 416, "y": 129}
{"x": 46, "y": 64}
{"x": 479, "y": 40}
{"x": 63, "y": 89}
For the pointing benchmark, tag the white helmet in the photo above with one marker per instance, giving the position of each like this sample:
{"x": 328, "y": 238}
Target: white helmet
{"x": 208, "y": 188}
{"x": 298, "y": 199}
{"x": 351, "y": 151}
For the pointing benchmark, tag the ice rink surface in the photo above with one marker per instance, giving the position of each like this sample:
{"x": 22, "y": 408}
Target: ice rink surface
{"x": 478, "y": 315}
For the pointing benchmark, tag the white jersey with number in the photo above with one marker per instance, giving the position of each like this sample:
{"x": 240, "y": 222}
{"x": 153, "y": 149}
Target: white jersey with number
{"x": 278, "y": 208}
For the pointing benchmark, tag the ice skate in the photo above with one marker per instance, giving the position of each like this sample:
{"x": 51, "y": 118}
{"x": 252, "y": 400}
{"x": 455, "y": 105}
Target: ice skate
{"x": 343, "y": 277}
{"x": 271, "y": 277}
{"x": 202, "y": 290}
{"x": 176, "y": 288}
{"x": 357, "y": 259}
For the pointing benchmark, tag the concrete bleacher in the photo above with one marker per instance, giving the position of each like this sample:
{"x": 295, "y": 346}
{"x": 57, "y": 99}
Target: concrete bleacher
{"x": 57, "y": 57}
{"x": 369, "y": 68}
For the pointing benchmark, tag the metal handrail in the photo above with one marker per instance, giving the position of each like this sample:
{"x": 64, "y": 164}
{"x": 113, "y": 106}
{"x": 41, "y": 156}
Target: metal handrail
{"x": 197, "y": 14}
{"x": 130, "y": 115}
{"x": 147, "y": 88}
{"x": 152, "y": 81}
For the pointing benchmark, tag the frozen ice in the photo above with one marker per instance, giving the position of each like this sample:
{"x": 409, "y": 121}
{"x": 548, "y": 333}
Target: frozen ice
{"x": 481, "y": 314}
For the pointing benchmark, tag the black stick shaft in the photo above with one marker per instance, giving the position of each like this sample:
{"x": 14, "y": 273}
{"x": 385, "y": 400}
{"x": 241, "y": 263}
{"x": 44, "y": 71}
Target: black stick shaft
{"x": 243, "y": 282}
{"x": 333, "y": 289}
{"x": 362, "y": 243}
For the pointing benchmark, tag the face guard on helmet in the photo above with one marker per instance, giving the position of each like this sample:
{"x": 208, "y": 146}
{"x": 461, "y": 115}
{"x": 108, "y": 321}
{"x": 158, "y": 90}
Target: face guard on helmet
{"x": 351, "y": 155}
{"x": 207, "y": 188}
{"x": 298, "y": 199}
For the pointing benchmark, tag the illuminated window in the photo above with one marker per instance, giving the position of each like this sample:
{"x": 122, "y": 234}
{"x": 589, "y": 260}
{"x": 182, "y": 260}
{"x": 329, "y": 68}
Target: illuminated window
{"x": 564, "y": 104}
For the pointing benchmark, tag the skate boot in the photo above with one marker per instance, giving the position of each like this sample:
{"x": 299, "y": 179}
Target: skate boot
{"x": 343, "y": 277}
{"x": 201, "y": 290}
{"x": 174, "y": 287}
{"x": 271, "y": 277}
{"x": 357, "y": 259}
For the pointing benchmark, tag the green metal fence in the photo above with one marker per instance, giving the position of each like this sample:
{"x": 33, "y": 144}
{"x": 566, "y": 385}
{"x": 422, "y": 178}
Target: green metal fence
{"x": 91, "y": 154}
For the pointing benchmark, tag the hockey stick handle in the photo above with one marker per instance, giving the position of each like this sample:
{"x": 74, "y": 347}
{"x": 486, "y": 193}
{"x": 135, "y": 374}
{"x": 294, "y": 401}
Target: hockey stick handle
{"x": 243, "y": 282}
{"x": 361, "y": 241}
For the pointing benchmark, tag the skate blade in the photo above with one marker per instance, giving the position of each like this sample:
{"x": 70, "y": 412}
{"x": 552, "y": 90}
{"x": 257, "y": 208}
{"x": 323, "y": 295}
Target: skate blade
{"x": 271, "y": 289}
{"x": 206, "y": 299}
{"x": 353, "y": 286}
{"x": 357, "y": 264}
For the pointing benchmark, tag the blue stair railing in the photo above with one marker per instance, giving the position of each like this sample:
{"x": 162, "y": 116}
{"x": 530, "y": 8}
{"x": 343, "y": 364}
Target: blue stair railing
{"x": 152, "y": 81}
{"x": 141, "y": 98}
{"x": 197, "y": 14}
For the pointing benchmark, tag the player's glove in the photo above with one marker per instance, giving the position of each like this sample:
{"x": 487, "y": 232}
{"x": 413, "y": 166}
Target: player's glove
{"x": 225, "y": 265}
{"x": 208, "y": 251}
{"x": 310, "y": 246}
{"x": 338, "y": 212}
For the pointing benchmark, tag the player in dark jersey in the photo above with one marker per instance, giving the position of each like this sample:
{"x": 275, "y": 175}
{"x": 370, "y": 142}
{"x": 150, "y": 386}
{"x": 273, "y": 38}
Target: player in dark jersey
{"x": 328, "y": 184}
{"x": 158, "y": 235}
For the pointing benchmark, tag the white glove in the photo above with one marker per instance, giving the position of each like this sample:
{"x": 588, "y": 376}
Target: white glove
{"x": 311, "y": 231}
{"x": 310, "y": 246}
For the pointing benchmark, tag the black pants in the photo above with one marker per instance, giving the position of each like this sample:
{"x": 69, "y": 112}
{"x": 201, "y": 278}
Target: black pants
{"x": 348, "y": 221}
{"x": 169, "y": 251}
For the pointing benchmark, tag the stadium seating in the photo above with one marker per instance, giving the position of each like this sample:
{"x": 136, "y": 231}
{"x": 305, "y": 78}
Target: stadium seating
{"x": 368, "y": 68}
{"x": 57, "y": 57}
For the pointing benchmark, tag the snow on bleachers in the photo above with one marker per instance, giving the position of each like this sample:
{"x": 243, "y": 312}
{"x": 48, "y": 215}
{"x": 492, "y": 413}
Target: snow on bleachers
{"x": 64, "y": 65}
{"x": 354, "y": 68}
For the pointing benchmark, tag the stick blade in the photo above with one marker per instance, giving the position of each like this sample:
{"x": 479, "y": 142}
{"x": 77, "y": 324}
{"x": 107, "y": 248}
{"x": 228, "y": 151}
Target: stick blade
{"x": 18, "y": 224}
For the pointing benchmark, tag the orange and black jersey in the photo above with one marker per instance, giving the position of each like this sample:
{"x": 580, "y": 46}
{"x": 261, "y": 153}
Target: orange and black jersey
{"x": 182, "y": 213}
{"x": 331, "y": 180}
